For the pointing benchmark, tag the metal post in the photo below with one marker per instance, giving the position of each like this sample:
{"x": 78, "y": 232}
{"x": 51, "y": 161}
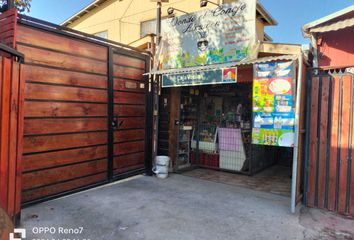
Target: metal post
{"x": 297, "y": 131}
{"x": 155, "y": 82}
{"x": 110, "y": 136}
{"x": 158, "y": 23}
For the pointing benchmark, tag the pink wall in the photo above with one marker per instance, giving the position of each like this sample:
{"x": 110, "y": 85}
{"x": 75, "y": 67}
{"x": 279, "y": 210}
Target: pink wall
{"x": 336, "y": 49}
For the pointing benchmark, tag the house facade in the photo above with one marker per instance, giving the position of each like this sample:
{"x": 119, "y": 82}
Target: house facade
{"x": 332, "y": 38}
{"x": 129, "y": 22}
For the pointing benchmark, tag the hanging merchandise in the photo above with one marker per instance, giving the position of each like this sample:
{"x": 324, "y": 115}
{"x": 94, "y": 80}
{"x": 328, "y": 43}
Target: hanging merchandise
{"x": 273, "y": 110}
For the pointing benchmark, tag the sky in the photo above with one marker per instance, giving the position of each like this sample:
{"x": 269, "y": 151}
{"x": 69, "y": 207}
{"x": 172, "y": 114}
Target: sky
{"x": 291, "y": 15}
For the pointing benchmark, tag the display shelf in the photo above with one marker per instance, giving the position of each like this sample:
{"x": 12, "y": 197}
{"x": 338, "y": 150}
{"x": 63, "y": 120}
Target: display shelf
{"x": 207, "y": 138}
{"x": 183, "y": 150}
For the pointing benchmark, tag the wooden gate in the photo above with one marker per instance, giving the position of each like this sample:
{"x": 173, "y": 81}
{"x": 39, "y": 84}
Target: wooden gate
{"x": 330, "y": 169}
{"x": 11, "y": 122}
{"x": 129, "y": 113}
{"x": 86, "y": 110}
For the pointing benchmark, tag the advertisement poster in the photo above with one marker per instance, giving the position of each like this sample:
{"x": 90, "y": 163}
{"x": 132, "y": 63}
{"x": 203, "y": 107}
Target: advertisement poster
{"x": 229, "y": 75}
{"x": 273, "y": 107}
{"x": 218, "y": 76}
{"x": 223, "y": 34}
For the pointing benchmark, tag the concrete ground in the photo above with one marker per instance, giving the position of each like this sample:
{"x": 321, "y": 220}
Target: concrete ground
{"x": 275, "y": 179}
{"x": 179, "y": 207}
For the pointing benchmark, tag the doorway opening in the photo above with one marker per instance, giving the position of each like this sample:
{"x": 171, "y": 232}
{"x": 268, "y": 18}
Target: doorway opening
{"x": 213, "y": 139}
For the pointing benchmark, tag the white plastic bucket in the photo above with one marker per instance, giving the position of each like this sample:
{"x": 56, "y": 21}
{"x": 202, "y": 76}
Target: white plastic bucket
{"x": 161, "y": 166}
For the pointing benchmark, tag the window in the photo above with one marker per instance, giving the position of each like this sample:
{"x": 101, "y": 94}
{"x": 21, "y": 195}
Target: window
{"x": 103, "y": 34}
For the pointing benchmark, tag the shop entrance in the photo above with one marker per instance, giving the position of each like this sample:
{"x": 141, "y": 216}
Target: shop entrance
{"x": 213, "y": 128}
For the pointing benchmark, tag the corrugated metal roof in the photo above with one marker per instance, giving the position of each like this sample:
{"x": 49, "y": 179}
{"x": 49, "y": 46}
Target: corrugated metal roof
{"x": 307, "y": 27}
{"x": 334, "y": 26}
{"x": 226, "y": 65}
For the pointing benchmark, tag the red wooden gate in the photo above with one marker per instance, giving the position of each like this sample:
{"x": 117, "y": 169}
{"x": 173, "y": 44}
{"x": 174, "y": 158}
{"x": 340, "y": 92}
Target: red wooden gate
{"x": 330, "y": 173}
{"x": 86, "y": 109}
{"x": 11, "y": 124}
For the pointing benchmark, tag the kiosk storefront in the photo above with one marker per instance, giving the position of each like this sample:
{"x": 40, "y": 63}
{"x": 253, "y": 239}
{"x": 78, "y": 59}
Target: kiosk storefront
{"x": 222, "y": 106}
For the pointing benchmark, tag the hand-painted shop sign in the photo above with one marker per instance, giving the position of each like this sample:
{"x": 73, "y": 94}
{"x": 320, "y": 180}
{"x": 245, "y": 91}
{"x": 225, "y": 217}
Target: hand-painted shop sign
{"x": 218, "y": 76}
{"x": 273, "y": 109}
{"x": 223, "y": 34}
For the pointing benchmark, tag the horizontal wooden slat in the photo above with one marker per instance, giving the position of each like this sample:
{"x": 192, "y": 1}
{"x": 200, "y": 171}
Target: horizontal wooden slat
{"x": 129, "y": 110}
{"x": 164, "y": 135}
{"x": 7, "y": 34}
{"x": 163, "y": 151}
{"x": 127, "y": 169}
{"x": 163, "y": 144}
{"x": 60, "y": 125}
{"x": 128, "y": 160}
{"x": 164, "y": 126}
{"x": 54, "y": 175}
{"x": 60, "y": 43}
{"x": 7, "y": 26}
{"x": 126, "y": 72}
{"x": 48, "y": 143}
{"x": 50, "y": 75}
{"x": 128, "y": 61}
{"x": 45, "y": 92}
{"x": 57, "y": 158}
{"x": 60, "y": 109}
{"x": 128, "y": 147}
{"x": 129, "y": 135}
{"x": 128, "y": 85}
{"x": 8, "y": 42}
{"x": 8, "y": 15}
{"x": 61, "y": 60}
{"x": 62, "y": 187}
{"x": 129, "y": 98}
{"x": 164, "y": 117}
{"x": 131, "y": 122}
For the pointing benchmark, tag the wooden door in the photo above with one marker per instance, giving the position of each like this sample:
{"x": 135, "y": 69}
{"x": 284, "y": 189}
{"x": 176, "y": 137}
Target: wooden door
{"x": 129, "y": 118}
{"x": 329, "y": 175}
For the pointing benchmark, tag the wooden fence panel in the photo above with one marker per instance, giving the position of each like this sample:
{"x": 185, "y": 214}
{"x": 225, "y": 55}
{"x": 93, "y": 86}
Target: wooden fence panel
{"x": 66, "y": 117}
{"x": 344, "y": 144}
{"x": 11, "y": 130}
{"x": 330, "y": 157}
{"x": 313, "y": 142}
{"x": 333, "y": 128}
{"x": 325, "y": 82}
